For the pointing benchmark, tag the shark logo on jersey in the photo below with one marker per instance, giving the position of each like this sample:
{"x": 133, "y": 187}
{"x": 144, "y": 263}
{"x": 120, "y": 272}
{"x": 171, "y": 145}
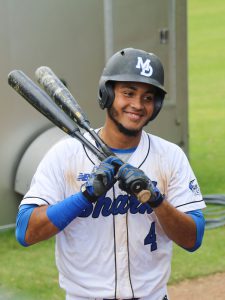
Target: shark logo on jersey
{"x": 194, "y": 187}
{"x": 146, "y": 68}
{"x": 105, "y": 206}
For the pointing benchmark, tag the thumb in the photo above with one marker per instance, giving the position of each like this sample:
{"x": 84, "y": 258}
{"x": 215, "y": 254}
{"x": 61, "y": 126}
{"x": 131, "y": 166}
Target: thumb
{"x": 99, "y": 184}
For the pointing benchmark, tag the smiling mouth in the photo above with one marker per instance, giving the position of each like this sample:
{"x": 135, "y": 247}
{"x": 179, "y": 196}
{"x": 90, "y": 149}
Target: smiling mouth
{"x": 134, "y": 116}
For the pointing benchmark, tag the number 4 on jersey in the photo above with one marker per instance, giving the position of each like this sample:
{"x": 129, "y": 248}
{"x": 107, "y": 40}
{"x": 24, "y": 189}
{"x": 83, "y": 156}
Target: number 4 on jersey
{"x": 150, "y": 239}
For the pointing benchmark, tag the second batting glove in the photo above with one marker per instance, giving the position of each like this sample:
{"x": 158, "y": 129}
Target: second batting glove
{"x": 129, "y": 175}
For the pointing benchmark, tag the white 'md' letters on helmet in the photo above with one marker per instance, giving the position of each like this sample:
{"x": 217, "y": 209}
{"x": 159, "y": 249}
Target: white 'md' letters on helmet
{"x": 146, "y": 68}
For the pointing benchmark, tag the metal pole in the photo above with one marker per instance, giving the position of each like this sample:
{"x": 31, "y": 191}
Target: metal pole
{"x": 108, "y": 28}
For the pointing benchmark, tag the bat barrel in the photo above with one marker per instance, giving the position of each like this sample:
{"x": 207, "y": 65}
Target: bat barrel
{"x": 64, "y": 99}
{"x": 61, "y": 95}
{"x": 24, "y": 86}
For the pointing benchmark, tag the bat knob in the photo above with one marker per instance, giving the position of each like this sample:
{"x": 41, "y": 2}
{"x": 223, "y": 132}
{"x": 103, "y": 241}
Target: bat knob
{"x": 144, "y": 196}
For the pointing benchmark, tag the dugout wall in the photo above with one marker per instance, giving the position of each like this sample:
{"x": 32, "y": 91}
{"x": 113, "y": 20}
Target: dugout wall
{"x": 74, "y": 38}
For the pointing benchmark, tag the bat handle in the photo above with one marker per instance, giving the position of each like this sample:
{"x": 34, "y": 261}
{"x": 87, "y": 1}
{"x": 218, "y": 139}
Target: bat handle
{"x": 105, "y": 149}
{"x": 138, "y": 187}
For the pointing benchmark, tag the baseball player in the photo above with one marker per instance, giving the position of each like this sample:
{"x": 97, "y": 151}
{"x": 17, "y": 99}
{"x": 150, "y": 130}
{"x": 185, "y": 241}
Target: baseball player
{"x": 108, "y": 244}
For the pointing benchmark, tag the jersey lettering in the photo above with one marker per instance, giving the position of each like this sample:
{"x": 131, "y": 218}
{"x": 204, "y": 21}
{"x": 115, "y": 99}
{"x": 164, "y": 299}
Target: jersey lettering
{"x": 150, "y": 239}
{"x": 106, "y": 206}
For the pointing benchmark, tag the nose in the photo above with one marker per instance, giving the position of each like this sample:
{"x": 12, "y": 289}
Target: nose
{"x": 137, "y": 103}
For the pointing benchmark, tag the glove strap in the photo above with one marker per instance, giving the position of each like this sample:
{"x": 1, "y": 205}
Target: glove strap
{"x": 156, "y": 202}
{"x": 84, "y": 191}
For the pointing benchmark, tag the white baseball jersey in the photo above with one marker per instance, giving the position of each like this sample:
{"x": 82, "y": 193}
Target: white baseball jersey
{"x": 116, "y": 249}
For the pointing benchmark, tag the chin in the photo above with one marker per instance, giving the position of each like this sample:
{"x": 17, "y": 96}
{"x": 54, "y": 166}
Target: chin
{"x": 128, "y": 131}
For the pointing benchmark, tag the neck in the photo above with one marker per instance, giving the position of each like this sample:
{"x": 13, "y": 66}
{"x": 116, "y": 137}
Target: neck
{"x": 116, "y": 139}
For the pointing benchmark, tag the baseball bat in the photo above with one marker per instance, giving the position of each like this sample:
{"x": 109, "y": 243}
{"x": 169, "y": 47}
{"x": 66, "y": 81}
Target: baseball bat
{"x": 64, "y": 99}
{"x": 24, "y": 86}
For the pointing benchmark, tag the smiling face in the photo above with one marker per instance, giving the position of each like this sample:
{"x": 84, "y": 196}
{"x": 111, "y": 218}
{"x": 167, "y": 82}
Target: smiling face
{"x": 132, "y": 107}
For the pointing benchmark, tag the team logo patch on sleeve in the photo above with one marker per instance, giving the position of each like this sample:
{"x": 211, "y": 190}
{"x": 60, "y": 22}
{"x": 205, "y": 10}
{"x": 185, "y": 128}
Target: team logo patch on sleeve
{"x": 194, "y": 187}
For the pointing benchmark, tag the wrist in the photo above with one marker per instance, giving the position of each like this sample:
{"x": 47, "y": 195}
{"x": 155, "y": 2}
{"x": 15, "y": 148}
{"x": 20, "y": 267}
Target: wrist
{"x": 156, "y": 201}
{"x": 88, "y": 194}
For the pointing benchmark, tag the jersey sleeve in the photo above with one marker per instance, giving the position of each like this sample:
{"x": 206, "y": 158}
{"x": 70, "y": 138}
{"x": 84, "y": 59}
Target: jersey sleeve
{"x": 47, "y": 185}
{"x": 183, "y": 188}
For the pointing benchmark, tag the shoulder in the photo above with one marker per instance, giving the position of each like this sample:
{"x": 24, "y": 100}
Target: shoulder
{"x": 69, "y": 150}
{"x": 65, "y": 146}
{"x": 166, "y": 153}
{"x": 162, "y": 146}
{"x": 62, "y": 151}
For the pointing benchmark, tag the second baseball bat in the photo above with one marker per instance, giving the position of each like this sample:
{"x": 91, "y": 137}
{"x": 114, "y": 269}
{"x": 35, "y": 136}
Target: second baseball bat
{"x": 64, "y": 99}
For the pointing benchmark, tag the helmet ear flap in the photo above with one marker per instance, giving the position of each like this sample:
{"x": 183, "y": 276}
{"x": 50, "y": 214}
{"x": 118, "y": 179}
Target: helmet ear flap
{"x": 160, "y": 95}
{"x": 106, "y": 94}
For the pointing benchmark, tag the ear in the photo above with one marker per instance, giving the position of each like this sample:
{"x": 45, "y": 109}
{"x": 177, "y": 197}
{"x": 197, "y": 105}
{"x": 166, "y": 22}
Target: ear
{"x": 106, "y": 94}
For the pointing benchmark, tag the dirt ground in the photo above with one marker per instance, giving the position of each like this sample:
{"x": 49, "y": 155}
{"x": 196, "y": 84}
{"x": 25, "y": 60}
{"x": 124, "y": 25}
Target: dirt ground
{"x": 206, "y": 288}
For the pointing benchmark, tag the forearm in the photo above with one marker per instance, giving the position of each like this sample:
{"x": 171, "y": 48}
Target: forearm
{"x": 46, "y": 221}
{"x": 178, "y": 226}
{"x": 39, "y": 227}
{"x": 35, "y": 224}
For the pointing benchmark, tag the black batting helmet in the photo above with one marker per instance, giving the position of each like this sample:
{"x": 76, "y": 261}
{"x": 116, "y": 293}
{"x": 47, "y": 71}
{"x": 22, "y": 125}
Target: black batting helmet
{"x": 132, "y": 65}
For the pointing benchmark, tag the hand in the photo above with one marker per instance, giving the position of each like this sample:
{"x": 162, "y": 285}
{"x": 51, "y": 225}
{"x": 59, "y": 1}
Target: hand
{"x": 129, "y": 175}
{"x": 114, "y": 161}
{"x": 101, "y": 180}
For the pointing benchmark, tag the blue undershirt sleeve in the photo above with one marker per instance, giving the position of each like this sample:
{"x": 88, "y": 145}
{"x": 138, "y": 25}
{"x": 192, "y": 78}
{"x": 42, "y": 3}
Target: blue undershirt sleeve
{"x": 62, "y": 213}
{"x": 22, "y": 221}
{"x": 199, "y": 220}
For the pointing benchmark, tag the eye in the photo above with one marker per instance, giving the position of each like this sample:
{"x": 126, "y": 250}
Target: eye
{"x": 128, "y": 93}
{"x": 149, "y": 98}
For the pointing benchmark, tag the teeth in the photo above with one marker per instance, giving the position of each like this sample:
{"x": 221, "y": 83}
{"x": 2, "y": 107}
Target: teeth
{"x": 134, "y": 116}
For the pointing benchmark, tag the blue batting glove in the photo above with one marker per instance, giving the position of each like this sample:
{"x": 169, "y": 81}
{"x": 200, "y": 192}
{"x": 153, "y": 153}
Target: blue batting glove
{"x": 115, "y": 161}
{"x": 133, "y": 180}
{"x": 101, "y": 180}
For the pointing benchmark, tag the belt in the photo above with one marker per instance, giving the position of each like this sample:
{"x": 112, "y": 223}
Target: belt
{"x": 164, "y": 298}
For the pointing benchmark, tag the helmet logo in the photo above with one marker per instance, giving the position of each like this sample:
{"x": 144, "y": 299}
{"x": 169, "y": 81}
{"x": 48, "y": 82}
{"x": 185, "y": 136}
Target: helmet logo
{"x": 146, "y": 68}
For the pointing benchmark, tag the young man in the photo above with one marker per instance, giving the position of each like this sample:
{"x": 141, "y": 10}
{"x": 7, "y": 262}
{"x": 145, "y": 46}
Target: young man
{"x": 108, "y": 244}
